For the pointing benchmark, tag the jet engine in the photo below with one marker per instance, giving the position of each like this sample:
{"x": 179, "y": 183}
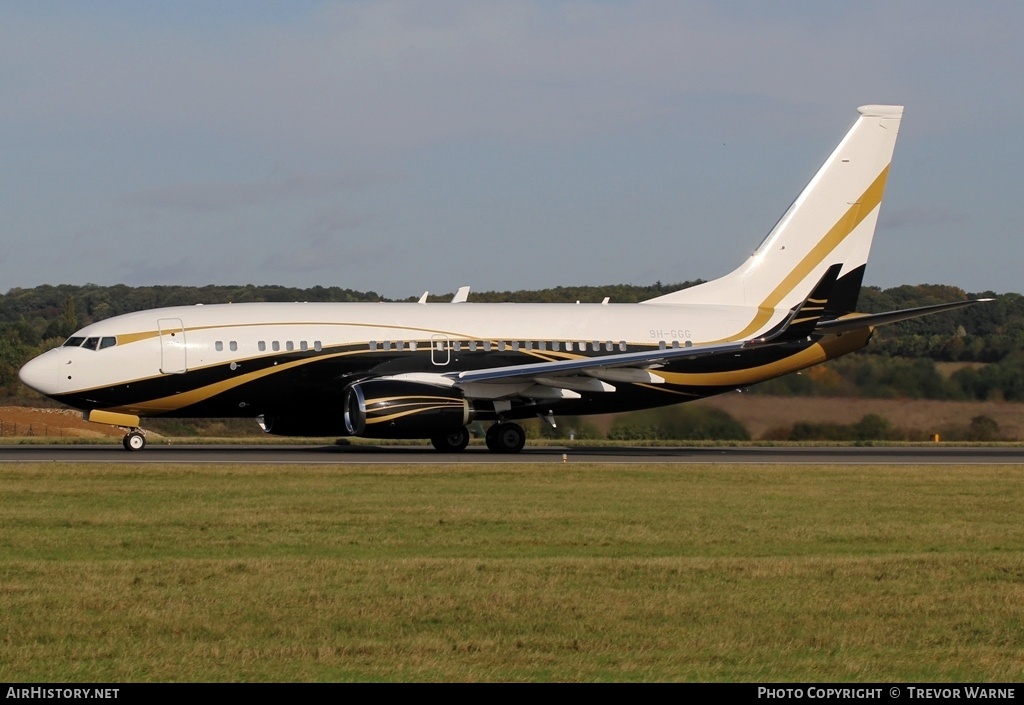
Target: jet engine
{"x": 396, "y": 408}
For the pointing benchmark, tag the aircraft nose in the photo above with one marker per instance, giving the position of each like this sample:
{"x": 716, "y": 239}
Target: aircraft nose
{"x": 40, "y": 374}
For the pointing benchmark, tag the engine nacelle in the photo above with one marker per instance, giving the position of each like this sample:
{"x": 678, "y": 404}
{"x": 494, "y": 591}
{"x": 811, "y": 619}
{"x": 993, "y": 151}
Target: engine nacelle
{"x": 395, "y": 408}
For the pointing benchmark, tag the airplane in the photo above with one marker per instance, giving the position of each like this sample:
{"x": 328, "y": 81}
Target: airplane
{"x": 429, "y": 370}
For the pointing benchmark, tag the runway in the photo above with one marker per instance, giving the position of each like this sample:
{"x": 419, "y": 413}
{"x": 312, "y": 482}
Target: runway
{"x": 366, "y": 454}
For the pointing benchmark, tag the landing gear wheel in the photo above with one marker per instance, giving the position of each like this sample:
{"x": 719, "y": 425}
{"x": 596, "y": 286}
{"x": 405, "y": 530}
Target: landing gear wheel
{"x": 134, "y": 440}
{"x": 452, "y": 442}
{"x": 505, "y": 438}
{"x": 491, "y": 438}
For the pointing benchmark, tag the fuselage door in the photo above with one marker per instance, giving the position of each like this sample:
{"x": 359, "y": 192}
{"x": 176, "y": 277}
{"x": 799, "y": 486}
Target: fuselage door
{"x": 172, "y": 346}
{"x": 440, "y": 349}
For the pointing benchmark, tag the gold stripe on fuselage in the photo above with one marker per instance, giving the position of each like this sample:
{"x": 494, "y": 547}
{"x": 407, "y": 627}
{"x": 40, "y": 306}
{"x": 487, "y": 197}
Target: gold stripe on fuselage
{"x": 825, "y": 349}
{"x": 175, "y": 402}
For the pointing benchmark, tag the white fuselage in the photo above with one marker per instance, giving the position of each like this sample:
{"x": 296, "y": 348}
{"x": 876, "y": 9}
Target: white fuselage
{"x": 185, "y": 339}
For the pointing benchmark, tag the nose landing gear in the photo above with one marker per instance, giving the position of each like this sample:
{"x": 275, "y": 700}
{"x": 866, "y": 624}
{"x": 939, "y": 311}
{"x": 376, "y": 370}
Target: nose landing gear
{"x": 135, "y": 439}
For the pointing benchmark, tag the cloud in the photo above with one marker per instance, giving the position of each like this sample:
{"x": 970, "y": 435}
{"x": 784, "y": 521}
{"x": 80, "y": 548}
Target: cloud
{"x": 216, "y": 196}
{"x": 147, "y": 271}
{"x": 290, "y": 140}
{"x": 347, "y": 77}
{"x": 321, "y": 255}
{"x": 330, "y": 242}
{"x": 906, "y": 217}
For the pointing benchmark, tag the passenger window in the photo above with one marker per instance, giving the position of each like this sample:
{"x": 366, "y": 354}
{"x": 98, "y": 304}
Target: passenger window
{"x": 289, "y": 346}
{"x": 472, "y": 346}
{"x": 233, "y": 346}
{"x": 501, "y": 345}
{"x": 622, "y": 345}
{"x": 262, "y": 345}
{"x": 218, "y": 346}
{"x": 515, "y": 345}
{"x": 487, "y": 346}
{"x": 275, "y": 346}
{"x": 303, "y": 346}
{"x": 317, "y": 345}
{"x": 373, "y": 345}
{"x": 400, "y": 345}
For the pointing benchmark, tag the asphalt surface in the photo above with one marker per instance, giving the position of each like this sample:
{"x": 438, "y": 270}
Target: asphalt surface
{"x": 341, "y": 454}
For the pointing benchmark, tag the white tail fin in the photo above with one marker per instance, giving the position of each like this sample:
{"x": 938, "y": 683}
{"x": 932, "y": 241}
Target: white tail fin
{"x": 831, "y": 222}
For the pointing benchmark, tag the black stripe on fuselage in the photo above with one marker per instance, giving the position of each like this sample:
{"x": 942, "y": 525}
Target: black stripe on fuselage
{"x": 317, "y": 380}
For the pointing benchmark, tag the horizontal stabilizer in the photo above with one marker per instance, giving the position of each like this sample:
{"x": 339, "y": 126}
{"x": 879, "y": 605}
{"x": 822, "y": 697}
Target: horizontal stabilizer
{"x": 868, "y": 320}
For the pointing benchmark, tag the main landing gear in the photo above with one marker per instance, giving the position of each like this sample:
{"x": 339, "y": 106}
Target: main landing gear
{"x": 135, "y": 439}
{"x": 455, "y": 442}
{"x": 505, "y": 437}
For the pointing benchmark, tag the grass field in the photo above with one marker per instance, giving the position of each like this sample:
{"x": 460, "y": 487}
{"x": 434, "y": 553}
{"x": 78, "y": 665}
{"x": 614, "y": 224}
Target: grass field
{"x": 511, "y": 573}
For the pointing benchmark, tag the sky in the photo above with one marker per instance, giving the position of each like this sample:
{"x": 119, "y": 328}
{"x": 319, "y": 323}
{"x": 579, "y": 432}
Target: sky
{"x": 408, "y": 146}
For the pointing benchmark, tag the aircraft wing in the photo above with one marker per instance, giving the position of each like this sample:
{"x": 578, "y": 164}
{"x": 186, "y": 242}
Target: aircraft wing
{"x": 640, "y": 361}
{"x": 634, "y": 367}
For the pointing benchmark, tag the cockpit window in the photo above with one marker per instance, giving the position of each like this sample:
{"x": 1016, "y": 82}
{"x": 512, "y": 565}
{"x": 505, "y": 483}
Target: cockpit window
{"x": 107, "y": 341}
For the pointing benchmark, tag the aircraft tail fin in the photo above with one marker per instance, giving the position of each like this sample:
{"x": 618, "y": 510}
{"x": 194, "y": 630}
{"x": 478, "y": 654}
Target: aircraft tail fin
{"x": 831, "y": 221}
{"x": 805, "y": 317}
